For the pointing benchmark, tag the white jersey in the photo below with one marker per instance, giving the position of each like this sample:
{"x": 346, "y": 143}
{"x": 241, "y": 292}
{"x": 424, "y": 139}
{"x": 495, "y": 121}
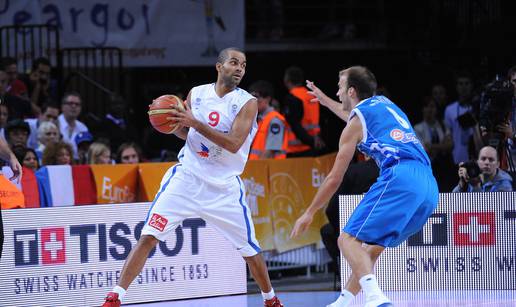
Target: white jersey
{"x": 201, "y": 156}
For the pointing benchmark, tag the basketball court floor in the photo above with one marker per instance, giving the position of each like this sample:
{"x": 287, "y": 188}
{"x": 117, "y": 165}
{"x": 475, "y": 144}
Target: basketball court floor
{"x": 322, "y": 298}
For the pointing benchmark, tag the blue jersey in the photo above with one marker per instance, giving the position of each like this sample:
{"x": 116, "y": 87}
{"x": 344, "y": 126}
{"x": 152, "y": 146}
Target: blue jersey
{"x": 388, "y": 136}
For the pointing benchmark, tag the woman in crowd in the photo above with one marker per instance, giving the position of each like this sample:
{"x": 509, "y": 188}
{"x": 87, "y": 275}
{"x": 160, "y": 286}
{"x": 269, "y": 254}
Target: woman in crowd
{"x": 99, "y": 153}
{"x": 129, "y": 153}
{"x": 27, "y": 157}
{"x": 59, "y": 153}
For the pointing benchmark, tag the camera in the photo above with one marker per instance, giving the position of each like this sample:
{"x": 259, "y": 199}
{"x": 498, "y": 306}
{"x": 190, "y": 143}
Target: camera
{"x": 471, "y": 168}
{"x": 494, "y": 109}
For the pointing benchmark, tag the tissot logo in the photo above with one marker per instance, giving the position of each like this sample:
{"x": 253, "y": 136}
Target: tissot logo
{"x": 474, "y": 228}
{"x": 434, "y": 233}
{"x": 53, "y": 246}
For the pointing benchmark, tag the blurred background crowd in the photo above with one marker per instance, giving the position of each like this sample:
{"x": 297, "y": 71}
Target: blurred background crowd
{"x": 445, "y": 63}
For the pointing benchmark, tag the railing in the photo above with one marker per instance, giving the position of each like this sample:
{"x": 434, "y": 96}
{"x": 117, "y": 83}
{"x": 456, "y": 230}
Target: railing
{"x": 96, "y": 73}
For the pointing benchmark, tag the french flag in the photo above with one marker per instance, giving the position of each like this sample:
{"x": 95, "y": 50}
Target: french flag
{"x": 64, "y": 185}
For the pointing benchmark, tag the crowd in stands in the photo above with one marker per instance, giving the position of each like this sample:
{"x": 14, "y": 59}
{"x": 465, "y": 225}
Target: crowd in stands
{"x": 44, "y": 129}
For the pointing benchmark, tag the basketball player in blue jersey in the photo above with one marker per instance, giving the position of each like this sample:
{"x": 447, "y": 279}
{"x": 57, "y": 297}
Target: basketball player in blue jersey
{"x": 403, "y": 197}
{"x": 218, "y": 125}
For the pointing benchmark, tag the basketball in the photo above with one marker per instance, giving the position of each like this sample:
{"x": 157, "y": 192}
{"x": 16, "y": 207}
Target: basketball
{"x": 159, "y": 110}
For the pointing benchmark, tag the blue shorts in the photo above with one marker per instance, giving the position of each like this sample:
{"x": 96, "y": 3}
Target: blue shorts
{"x": 396, "y": 206}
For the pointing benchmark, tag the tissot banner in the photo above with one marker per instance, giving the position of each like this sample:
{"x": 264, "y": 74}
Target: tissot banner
{"x": 150, "y": 32}
{"x": 72, "y": 256}
{"x": 467, "y": 244}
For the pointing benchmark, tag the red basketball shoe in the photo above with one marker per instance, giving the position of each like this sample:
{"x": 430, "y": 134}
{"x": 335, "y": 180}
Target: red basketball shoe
{"x": 273, "y": 302}
{"x": 113, "y": 301}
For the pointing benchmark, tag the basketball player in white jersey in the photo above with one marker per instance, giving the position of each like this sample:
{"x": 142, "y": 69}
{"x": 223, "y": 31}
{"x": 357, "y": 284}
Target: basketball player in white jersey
{"x": 219, "y": 125}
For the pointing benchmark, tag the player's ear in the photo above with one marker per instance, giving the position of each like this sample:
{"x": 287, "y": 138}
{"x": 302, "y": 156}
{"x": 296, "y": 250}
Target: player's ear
{"x": 218, "y": 66}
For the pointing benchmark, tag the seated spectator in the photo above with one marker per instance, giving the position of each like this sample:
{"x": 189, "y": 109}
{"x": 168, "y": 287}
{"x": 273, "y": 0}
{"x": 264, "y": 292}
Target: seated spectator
{"x": 488, "y": 177}
{"x": 15, "y": 86}
{"x": 17, "y": 133}
{"x": 59, "y": 153}
{"x": 436, "y": 139}
{"x": 47, "y": 134}
{"x": 40, "y": 86}
{"x": 129, "y": 153}
{"x": 50, "y": 112}
{"x": 27, "y": 157}
{"x": 4, "y": 114}
{"x": 69, "y": 125}
{"x": 83, "y": 140}
{"x": 99, "y": 153}
{"x": 18, "y": 107}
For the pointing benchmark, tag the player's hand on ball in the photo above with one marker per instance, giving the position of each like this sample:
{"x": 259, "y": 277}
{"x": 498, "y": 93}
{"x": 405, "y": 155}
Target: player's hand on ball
{"x": 184, "y": 118}
{"x": 302, "y": 224}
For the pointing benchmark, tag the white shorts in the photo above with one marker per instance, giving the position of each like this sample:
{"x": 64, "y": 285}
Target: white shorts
{"x": 183, "y": 195}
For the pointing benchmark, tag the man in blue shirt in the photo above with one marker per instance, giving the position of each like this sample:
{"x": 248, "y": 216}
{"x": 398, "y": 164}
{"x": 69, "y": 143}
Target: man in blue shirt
{"x": 491, "y": 177}
{"x": 403, "y": 197}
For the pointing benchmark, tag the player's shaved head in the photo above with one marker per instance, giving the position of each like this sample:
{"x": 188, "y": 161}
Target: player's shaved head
{"x": 361, "y": 79}
{"x": 224, "y": 54}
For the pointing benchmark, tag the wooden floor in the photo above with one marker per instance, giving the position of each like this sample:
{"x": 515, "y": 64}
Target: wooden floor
{"x": 322, "y": 298}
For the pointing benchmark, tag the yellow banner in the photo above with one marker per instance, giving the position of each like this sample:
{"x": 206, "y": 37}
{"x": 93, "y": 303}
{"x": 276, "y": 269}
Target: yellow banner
{"x": 293, "y": 184}
{"x": 150, "y": 178}
{"x": 256, "y": 181}
{"x": 115, "y": 183}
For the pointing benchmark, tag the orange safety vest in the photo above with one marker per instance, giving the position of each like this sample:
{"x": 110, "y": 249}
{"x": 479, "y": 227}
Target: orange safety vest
{"x": 310, "y": 120}
{"x": 10, "y": 196}
{"x": 258, "y": 146}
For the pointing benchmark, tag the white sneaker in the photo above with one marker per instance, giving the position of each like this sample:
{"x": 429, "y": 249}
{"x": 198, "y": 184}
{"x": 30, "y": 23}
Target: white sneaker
{"x": 378, "y": 301}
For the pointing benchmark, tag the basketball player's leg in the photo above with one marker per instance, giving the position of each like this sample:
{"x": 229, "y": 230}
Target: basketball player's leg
{"x": 134, "y": 263}
{"x": 361, "y": 259}
{"x": 226, "y": 210}
{"x": 167, "y": 211}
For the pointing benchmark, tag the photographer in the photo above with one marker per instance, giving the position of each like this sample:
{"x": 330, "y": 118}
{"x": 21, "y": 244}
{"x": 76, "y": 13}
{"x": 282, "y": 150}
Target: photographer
{"x": 485, "y": 175}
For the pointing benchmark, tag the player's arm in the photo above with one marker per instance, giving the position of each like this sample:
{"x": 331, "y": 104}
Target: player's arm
{"x": 7, "y": 155}
{"x": 231, "y": 141}
{"x": 182, "y": 132}
{"x": 323, "y": 99}
{"x": 349, "y": 138}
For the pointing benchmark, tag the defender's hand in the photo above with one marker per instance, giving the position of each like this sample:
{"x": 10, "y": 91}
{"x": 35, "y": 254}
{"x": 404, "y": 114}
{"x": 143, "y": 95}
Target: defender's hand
{"x": 302, "y": 224}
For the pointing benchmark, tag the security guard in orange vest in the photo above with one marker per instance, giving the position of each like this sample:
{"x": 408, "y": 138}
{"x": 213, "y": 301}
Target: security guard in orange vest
{"x": 270, "y": 141}
{"x": 302, "y": 115}
{"x": 7, "y": 155}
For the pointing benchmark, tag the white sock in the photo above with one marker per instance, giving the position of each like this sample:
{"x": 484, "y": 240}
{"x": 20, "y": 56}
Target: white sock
{"x": 268, "y": 296}
{"x": 344, "y": 299}
{"x": 370, "y": 286}
{"x": 121, "y": 292}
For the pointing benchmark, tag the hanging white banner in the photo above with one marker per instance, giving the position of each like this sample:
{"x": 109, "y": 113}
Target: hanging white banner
{"x": 150, "y": 33}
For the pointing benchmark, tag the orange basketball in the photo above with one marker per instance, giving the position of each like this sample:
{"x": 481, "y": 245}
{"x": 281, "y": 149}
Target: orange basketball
{"x": 159, "y": 110}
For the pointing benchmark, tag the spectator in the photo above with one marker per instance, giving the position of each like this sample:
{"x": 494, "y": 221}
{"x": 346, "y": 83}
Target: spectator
{"x": 18, "y": 107}
{"x": 15, "y": 86}
{"x": 17, "y": 133}
{"x": 47, "y": 134}
{"x": 440, "y": 96}
{"x": 490, "y": 179}
{"x": 459, "y": 119}
{"x": 510, "y": 130}
{"x": 129, "y": 153}
{"x": 271, "y": 138}
{"x": 50, "y": 112}
{"x": 27, "y": 157}
{"x": 99, "y": 153}
{"x": 83, "y": 140}
{"x": 40, "y": 86}
{"x": 302, "y": 115}
{"x": 69, "y": 125}
{"x": 4, "y": 115}
{"x": 59, "y": 153}
{"x": 114, "y": 128}
{"x": 436, "y": 139}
